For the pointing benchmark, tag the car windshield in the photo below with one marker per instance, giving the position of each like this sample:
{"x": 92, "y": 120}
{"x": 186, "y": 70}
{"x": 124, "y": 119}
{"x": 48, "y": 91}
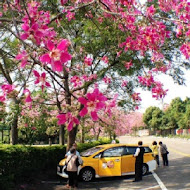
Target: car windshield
{"x": 90, "y": 151}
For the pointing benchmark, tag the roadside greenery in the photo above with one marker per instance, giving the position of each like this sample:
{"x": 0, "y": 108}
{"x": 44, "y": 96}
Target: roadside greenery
{"x": 174, "y": 116}
{"x": 20, "y": 163}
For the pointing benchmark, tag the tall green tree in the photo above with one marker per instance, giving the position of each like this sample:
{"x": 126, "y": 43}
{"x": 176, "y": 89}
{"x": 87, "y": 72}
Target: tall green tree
{"x": 153, "y": 117}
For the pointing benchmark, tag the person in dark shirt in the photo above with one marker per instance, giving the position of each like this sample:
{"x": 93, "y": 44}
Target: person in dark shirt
{"x": 139, "y": 162}
{"x": 164, "y": 153}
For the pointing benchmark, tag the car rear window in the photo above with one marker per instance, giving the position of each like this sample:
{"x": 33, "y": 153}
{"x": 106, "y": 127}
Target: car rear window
{"x": 147, "y": 150}
{"x": 90, "y": 151}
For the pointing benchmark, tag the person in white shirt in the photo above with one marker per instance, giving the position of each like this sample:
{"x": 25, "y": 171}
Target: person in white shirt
{"x": 73, "y": 161}
{"x": 75, "y": 147}
{"x": 139, "y": 162}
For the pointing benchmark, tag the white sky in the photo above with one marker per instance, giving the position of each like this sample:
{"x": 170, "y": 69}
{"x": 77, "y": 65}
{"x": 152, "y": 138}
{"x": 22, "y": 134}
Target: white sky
{"x": 174, "y": 91}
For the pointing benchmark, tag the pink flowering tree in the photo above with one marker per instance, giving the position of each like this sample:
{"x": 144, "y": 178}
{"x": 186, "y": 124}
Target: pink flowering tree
{"x": 82, "y": 51}
{"x": 38, "y": 122}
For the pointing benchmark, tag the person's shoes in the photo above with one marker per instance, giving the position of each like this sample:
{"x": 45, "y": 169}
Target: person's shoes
{"x": 67, "y": 187}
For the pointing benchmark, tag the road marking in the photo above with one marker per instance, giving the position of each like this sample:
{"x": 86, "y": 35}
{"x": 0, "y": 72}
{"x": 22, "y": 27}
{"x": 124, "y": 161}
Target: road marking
{"x": 149, "y": 188}
{"x": 188, "y": 155}
{"x": 162, "y": 186}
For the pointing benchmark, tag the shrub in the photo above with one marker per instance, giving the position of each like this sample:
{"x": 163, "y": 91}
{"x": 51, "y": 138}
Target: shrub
{"x": 21, "y": 163}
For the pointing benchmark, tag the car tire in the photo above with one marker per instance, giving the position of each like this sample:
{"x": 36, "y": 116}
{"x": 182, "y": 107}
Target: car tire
{"x": 87, "y": 174}
{"x": 144, "y": 169}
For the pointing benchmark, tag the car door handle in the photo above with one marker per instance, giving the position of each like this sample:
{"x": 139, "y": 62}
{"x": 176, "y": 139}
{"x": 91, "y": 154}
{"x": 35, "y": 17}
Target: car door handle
{"x": 117, "y": 160}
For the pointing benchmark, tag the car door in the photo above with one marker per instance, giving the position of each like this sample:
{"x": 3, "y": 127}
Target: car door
{"x": 110, "y": 162}
{"x": 127, "y": 160}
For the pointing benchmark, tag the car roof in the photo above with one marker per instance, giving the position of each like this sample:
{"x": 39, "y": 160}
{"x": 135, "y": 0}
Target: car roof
{"x": 116, "y": 145}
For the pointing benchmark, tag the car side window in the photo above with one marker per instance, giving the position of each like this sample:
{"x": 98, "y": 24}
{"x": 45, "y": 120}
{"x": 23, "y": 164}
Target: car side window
{"x": 131, "y": 150}
{"x": 98, "y": 155}
{"x": 113, "y": 152}
{"x": 126, "y": 151}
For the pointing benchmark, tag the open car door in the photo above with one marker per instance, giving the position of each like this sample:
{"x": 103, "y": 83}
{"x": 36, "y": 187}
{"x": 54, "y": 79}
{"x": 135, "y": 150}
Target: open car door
{"x": 110, "y": 162}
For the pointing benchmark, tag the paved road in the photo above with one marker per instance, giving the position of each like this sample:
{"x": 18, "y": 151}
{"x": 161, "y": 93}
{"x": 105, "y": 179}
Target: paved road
{"x": 174, "y": 177}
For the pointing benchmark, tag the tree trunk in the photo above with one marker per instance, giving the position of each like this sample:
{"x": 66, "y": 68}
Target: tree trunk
{"x": 14, "y": 126}
{"x": 72, "y": 137}
{"x": 14, "y": 131}
{"x": 50, "y": 141}
{"x": 62, "y": 135}
{"x": 82, "y": 133}
{"x": 97, "y": 137}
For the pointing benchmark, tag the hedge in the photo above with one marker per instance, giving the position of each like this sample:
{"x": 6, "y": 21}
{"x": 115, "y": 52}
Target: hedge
{"x": 19, "y": 163}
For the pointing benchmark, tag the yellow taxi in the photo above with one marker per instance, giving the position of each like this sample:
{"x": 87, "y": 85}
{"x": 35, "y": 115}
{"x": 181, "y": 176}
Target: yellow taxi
{"x": 110, "y": 160}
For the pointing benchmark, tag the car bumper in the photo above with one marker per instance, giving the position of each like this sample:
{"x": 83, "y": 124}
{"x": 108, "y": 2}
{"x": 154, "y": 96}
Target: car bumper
{"x": 60, "y": 172}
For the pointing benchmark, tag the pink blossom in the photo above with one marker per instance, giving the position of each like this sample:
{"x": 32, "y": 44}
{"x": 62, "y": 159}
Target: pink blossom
{"x": 128, "y": 65}
{"x": 33, "y": 128}
{"x": 100, "y": 19}
{"x": 110, "y": 105}
{"x": 28, "y": 98}
{"x": 119, "y": 53}
{"x": 67, "y": 118}
{"x": 105, "y": 59}
{"x": 124, "y": 83}
{"x": 70, "y": 16}
{"x": 185, "y": 49}
{"x": 33, "y": 31}
{"x": 136, "y": 97}
{"x": 150, "y": 11}
{"x": 91, "y": 77}
{"x": 2, "y": 98}
{"x": 89, "y": 14}
{"x": 23, "y": 57}
{"x": 128, "y": 44}
{"x": 107, "y": 80}
{"x": 76, "y": 80}
{"x": 1, "y": 14}
{"x": 158, "y": 92}
{"x": 7, "y": 88}
{"x": 92, "y": 103}
{"x": 88, "y": 61}
{"x": 57, "y": 55}
{"x": 163, "y": 69}
{"x": 63, "y": 2}
{"x": 147, "y": 80}
{"x": 41, "y": 79}
{"x": 136, "y": 107}
{"x": 156, "y": 56}
{"x": 179, "y": 31}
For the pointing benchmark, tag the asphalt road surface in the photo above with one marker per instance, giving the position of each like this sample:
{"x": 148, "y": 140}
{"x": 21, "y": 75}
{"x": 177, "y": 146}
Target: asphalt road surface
{"x": 174, "y": 177}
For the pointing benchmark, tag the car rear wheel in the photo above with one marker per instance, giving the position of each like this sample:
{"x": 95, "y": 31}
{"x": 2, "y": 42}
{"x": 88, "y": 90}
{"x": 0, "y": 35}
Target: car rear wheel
{"x": 144, "y": 169}
{"x": 87, "y": 174}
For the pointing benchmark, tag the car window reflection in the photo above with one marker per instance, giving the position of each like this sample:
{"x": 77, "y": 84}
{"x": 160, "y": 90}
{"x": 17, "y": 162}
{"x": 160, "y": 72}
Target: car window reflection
{"x": 90, "y": 151}
{"x": 113, "y": 152}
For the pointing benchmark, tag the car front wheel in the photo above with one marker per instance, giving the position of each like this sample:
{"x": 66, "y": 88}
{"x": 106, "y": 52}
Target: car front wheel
{"x": 87, "y": 174}
{"x": 144, "y": 169}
